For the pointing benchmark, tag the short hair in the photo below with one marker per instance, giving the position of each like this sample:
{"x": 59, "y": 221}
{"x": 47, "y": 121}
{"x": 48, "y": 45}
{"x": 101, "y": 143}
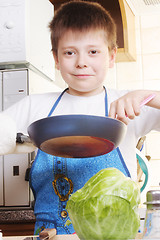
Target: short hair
{"x": 79, "y": 15}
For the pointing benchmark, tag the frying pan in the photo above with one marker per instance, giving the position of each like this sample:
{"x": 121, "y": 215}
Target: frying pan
{"x": 76, "y": 136}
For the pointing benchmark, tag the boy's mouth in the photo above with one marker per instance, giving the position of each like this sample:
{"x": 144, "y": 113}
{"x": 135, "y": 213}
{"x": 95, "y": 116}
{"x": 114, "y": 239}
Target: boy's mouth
{"x": 83, "y": 75}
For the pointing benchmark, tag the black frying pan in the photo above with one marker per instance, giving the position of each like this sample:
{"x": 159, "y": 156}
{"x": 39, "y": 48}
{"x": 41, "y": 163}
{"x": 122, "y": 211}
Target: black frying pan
{"x": 76, "y": 135}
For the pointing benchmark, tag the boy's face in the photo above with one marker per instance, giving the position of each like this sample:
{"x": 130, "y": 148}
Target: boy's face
{"x": 83, "y": 60}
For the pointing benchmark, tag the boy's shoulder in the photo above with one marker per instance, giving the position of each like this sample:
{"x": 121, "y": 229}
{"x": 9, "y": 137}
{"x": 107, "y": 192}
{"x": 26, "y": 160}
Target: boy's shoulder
{"x": 114, "y": 94}
{"x": 44, "y": 96}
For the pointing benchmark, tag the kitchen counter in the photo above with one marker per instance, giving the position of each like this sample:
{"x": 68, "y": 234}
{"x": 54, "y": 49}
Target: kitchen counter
{"x": 57, "y": 237}
{"x": 17, "y": 222}
{"x": 15, "y": 216}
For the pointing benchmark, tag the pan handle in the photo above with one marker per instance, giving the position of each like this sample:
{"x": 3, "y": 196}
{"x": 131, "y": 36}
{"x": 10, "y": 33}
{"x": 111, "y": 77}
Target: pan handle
{"x": 21, "y": 138}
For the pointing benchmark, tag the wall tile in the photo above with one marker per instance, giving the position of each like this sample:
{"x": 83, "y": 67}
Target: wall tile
{"x": 41, "y": 85}
{"x": 151, "y": 66}
{"x": 149, "y": 21}
{"x": 154, "y": 166}
{"x": 110, "y": 81}
{"x": 138, "y": 35}
{"x": 137, "y": 22}
{"x": 129, "y": 72}
{"x": 152, "y": 84}
{"x": 150, "y": 38}
{"x": 138, "y": 42}
{"x": 152, "y": 145}
{"x": 130, "y": 85}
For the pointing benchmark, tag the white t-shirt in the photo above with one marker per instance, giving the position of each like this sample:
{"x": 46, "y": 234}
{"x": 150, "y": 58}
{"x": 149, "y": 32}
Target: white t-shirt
{"x": 35, "y": 107}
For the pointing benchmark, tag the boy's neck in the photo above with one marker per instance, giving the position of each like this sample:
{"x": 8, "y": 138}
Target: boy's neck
{"x": 85, "y": 94}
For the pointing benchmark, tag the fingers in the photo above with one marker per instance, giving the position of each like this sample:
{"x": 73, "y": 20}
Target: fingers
{"x": 132, "y": 109}
{"x": 117, "y": 111}
{"x": 124, "y": 109}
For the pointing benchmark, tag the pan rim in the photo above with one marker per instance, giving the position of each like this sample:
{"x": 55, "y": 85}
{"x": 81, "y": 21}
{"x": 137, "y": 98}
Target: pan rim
{"x": 78, "y": 115}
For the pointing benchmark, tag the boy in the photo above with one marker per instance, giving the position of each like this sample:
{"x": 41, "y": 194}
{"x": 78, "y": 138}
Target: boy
{"x": 83, "y": 39}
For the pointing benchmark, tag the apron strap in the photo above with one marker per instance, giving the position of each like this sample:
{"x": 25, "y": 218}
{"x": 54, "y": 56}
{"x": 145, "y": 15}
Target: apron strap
{"x": 56, "y": 103}
{"x": 106, "y": 102}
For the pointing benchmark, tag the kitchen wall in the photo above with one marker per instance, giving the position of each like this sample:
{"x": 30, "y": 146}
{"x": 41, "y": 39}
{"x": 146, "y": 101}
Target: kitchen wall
{"x": 143, "y": 73}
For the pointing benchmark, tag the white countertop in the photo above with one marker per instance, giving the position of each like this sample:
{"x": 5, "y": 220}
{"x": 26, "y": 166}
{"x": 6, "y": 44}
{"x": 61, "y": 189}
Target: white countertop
{"x": 57, "y": 237}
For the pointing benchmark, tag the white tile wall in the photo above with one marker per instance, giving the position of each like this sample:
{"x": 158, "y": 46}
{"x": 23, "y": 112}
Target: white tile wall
{"x": 150, "y": 21}
{"x": 145, "y": 73}
{"x": 150, "y": 40}
{"x": 129, "y": 74}
{"x": 151, "y": 66}
{"x": 153, "y": 146}
{"x": 111, "y": 81}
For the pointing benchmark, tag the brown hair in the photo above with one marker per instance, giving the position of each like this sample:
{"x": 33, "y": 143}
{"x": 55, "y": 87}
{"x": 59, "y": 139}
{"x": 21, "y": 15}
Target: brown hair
{"x": 82, "y": 15}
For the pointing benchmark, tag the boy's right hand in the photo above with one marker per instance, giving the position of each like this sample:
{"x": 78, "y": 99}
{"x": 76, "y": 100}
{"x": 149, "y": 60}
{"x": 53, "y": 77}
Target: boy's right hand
{"x": 7, "y": 134}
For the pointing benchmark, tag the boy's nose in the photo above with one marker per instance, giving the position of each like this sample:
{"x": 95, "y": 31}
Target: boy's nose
{"x": 81, "y": 62}
{"x": 81, "y": 65}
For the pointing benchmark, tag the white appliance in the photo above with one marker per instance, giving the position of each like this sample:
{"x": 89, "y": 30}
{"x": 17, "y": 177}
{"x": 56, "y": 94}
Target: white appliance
{"x": 14, "y": 190}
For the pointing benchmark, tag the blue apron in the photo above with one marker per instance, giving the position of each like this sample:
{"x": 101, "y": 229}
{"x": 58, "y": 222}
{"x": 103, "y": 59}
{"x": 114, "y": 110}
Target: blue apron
{"x": 52, "y": 179}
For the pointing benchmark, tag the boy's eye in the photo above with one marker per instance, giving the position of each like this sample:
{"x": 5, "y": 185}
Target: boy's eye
{"x": 93, "y": 52}
{"x": 69, "y": 53}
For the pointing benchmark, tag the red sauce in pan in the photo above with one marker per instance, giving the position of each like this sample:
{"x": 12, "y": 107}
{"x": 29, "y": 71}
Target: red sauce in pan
{"x": 77, "y": 146}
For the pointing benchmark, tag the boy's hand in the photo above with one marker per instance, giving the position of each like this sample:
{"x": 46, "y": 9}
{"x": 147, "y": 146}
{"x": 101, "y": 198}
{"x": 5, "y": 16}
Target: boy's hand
{"x": 7, "y": 134}
{"x": 128, "y": 106}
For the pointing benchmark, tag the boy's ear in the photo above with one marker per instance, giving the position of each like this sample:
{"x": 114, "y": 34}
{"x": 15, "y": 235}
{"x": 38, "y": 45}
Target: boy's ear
{"x": 56, "y": 60}
{"x": 113, "y": 53}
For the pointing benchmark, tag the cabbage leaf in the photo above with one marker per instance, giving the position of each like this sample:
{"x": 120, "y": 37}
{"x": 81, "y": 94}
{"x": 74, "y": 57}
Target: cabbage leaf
{"x": 106, "y": 207}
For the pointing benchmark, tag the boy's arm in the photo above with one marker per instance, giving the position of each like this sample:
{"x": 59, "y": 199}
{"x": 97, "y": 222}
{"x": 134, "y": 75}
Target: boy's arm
{"x": 128, "y": 106}
{"x": 8, "y": 134}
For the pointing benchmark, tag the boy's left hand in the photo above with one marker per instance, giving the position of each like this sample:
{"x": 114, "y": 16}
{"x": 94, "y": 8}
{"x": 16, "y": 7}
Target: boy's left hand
{"x": 128, "y": 106}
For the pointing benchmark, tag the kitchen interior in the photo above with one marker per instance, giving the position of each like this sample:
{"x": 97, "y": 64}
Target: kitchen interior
{"x": 27, "y": 67}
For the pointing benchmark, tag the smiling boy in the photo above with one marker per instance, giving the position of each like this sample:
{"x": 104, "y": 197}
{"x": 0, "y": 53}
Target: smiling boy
{"x": 83, "y": 37}
{"x": 83, "y": 60}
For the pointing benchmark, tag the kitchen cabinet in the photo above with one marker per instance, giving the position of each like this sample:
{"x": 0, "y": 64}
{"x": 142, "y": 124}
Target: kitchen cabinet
{"x": 1, "y": 180}
{"x": 25, "y": 38}
{"x": 1, "y": 158}
{"x": 15, "y": 86}
{"x": 12, "y": 30}
{"x": 0, "y": 91}
{"x": 14, "y": 190}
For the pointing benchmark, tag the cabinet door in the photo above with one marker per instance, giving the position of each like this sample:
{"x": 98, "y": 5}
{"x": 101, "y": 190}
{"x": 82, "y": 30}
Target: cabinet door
{"x": 15, "y": 87}
{"x": 12, "y": 30}
{"x": 1, "y": 181}
{"x": 1, "y": 158}
{"x": 16, "y": 189}
{"x": 0, "y": 91}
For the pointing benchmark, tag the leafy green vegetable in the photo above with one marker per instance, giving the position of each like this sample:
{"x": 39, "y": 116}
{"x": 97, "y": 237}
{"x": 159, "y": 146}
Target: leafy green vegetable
{"x": 106, "y": 207}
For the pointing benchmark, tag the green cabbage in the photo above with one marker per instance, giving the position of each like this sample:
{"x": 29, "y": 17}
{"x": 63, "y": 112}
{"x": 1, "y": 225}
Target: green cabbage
{"x": 106, "y": 207}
